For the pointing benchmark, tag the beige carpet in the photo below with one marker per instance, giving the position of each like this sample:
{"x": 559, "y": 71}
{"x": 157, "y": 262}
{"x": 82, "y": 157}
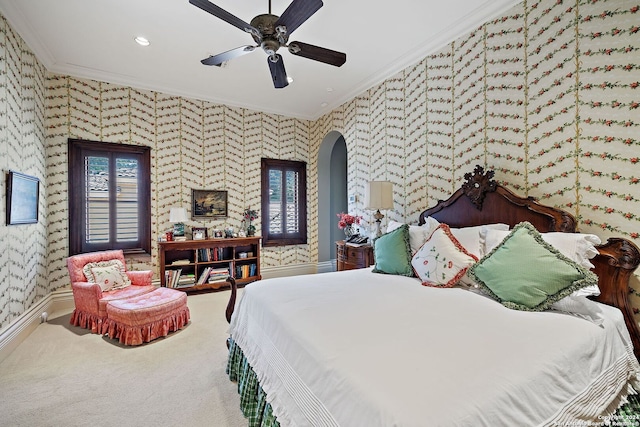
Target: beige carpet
{"x": 64, "y": 376}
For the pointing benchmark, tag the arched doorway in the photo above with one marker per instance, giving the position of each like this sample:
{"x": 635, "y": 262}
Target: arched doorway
{"x": 332, "y": 196}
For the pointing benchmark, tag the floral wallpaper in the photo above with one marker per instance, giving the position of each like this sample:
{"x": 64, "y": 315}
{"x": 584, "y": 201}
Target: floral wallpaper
{"x": 547, "y": 95}
{"x": 195, "y": 145}
{"x": 23, "y": 249}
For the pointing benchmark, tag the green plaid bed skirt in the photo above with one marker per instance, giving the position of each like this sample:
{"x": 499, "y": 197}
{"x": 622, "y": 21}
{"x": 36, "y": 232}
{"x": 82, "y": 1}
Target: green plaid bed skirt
{"x": 629, "y": 413}
{"x": 254, "y": 406}
{"x": 253, "y": 400}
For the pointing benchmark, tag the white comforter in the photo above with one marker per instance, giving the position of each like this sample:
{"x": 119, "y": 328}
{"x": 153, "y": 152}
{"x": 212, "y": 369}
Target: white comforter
{"x": 356, "y": 348}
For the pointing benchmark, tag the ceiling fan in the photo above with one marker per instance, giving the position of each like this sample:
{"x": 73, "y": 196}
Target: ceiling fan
{"x": 271, "y": 32}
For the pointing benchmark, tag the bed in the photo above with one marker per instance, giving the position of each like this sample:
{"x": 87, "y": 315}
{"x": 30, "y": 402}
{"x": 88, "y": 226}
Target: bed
{"x": 360, "y": 348}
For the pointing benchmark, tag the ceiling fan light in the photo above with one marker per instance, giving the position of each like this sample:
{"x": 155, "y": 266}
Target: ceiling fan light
{"x": 142, "y": 41}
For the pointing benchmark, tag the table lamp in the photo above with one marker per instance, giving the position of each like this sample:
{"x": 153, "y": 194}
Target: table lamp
{"x": 378, "y": 195}
{"x": 178, "y": 216}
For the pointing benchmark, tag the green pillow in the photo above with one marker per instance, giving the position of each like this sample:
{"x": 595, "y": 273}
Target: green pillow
{"x": 526, "y": 273}
{"x": 392, "y": 252}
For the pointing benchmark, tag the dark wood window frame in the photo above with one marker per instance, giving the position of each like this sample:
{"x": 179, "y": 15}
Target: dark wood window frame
{"x": 77, "y": 150}
{"x": 299, "y": 238}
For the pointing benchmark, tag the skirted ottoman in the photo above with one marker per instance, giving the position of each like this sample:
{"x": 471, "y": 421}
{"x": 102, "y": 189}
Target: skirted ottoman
{"x": 143, "y": 318}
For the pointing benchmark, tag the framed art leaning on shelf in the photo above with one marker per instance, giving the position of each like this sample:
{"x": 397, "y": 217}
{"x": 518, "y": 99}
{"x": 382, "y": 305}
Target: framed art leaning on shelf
{"x": 199, "y": 233}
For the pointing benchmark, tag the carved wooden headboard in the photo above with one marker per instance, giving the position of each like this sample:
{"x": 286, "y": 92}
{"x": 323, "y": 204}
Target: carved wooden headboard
{"x": 481, "y": 200}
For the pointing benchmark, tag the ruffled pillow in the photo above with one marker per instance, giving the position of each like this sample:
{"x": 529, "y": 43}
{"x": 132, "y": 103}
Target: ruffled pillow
{"x": 109, "y": 275}
{"x": 526, "y": 273}
{"x": 578, "y": 247}
{"x": 473, "y": 238}
{"x": 392, "y": 252}
{"x": 418, "y": 234}
{"x": 442, "y": 260}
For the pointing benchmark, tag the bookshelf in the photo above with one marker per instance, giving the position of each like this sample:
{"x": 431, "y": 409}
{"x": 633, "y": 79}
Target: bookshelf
{"x": 197, "y": 265}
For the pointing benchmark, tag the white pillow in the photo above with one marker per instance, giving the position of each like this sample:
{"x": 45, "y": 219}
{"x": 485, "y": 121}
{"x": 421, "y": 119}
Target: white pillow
{"x": 418, "y": 234}
{"x": 578, "y": 247}
{"x": 580, "y": 307}
{"x": 473, "y": 238}
{"x": 109, "y": 275}
{"x": 442, "y": 260}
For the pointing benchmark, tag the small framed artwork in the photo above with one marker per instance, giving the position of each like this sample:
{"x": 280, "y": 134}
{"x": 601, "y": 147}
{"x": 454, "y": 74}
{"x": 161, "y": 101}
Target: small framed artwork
{"x": 23, "y": 192}
{"x": 208, "y": 204}
{"x": 199, "y": 233}
{"x": 217, "y": 234}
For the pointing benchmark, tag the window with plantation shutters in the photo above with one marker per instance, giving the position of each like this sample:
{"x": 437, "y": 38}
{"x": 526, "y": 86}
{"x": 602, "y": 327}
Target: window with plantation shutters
{"x": 109, "y": 197}
{"x": 284, "y": 202}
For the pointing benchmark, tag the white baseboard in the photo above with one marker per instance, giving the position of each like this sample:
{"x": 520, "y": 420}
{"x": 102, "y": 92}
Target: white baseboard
{"x": 327, "y": 266}
{"x": 20, "y": 328}
{"x": 288, "y": 270}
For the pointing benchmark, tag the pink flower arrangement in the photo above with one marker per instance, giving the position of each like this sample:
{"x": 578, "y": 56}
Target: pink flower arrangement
{"x": 250, "y": 214}
{"x": 347, "y": 220}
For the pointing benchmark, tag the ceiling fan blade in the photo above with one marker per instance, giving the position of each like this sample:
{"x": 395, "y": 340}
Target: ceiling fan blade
{"x": 218, "y": 59}
{"x": 278, "y": 74}
{"x": 298, "y": 12}
{"x": 316, "y": 53}
{"x": 217, "y": 11}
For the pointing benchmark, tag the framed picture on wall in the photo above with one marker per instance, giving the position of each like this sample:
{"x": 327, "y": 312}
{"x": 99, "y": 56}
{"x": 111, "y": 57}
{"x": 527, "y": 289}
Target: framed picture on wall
{"x": 208, "y": 204}
{"x": 23, "y": 192}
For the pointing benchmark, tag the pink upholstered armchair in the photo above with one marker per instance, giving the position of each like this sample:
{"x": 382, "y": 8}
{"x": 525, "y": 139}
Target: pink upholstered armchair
{"x": 90, "y": 300}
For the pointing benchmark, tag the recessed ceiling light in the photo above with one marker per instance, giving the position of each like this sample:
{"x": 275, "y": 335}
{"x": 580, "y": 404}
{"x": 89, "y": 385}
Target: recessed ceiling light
{"x": 324, "y": 104}
{"x": 329, "y": 89}
{"x": 290, "y": 79}
{"x": 142, "y": 41}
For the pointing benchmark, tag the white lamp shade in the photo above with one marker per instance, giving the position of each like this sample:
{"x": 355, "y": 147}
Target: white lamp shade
{"x": 378, "y": 195}
{"x": 178, "y": 215}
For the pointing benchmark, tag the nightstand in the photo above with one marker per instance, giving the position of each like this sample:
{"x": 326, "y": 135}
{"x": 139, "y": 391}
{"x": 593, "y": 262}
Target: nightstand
{"x": 351, "y": 257}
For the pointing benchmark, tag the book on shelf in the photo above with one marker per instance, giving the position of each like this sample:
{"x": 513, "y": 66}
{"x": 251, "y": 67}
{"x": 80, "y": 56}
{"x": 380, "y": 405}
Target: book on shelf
{"x": 218, "y": 275}
{"x": 210, "y": 254}
{"x": 212, "y": 274}
{"x": 171, "y": 277}
{"x": 180, "y": 262}
{"x": 246, "y": 270}
{"x": 186, "y": 280}
{"x": 204, "y": 275}
{"x": 184, "y": 285}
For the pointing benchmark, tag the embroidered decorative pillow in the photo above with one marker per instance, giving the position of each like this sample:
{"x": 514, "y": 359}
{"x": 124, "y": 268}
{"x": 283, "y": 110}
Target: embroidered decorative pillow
{"x": 392, "y": 252}
{"x": 526, "y": 273}
{"x": 442, "y": 260}
{"x": 110, "y": 275}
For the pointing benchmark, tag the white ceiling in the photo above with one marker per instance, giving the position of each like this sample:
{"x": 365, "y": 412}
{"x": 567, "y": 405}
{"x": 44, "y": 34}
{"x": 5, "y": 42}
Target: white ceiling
{"x": 94, "y": 39}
